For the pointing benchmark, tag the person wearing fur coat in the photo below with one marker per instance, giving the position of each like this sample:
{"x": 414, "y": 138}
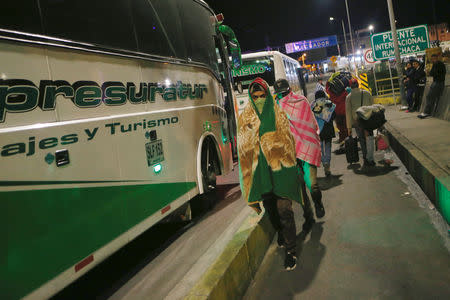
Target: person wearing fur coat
{"x": 267, "y": 164}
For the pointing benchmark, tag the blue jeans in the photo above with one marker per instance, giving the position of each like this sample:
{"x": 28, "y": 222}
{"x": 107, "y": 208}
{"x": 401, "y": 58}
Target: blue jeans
{"x": 325, "y": 146}
{"x": 367, "y": 143}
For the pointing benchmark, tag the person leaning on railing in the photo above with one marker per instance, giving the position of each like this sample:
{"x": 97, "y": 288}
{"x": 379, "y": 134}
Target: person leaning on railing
{"x": 437, "y": 87}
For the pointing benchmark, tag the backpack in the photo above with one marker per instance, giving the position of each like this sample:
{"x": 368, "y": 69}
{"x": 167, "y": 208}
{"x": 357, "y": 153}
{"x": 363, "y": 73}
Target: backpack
{"x": 376, "y": 119}
{"x": 338, "y": 82}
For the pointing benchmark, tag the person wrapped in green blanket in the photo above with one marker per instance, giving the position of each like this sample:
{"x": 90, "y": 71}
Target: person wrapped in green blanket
{"x": 268, "y": 168}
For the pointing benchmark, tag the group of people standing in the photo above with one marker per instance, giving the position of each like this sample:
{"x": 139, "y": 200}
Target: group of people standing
{"x": 415, "y": 80}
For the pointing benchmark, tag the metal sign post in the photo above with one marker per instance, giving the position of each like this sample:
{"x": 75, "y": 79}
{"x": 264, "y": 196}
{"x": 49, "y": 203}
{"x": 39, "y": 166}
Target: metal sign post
{"x": 397, "y": 53}
{"x": 375, "y": 80}
{"x": 392, "y": 83}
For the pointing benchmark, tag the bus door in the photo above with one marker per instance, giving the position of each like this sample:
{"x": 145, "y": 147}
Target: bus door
{"x": 223, "y": 42}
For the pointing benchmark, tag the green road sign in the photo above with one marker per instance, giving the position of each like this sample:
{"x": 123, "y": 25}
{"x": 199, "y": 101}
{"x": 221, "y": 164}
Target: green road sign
{"x": 411, "y": 40}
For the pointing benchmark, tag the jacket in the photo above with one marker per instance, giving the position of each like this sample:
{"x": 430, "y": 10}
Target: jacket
{"x": 410, "y": 76}
{"x": 323, "y": 110}
{"x": 438, "y": 72}
{"x": 339, "y": 100}
{"x": 419, "y": 77}
{"x": 355, "y": 100}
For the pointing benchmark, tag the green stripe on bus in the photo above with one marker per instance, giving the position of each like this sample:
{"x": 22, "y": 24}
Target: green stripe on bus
{"x": 25, "y": 183}
{"x": 47, "y": 231}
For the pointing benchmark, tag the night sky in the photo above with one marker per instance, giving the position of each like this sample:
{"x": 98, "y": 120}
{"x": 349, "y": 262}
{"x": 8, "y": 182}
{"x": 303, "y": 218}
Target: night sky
{"x": 258, "y": 23}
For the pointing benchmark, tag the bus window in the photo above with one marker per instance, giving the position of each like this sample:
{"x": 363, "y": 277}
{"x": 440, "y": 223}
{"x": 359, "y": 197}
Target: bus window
{"x": 12, "y": 16}
{"x": 87, "y": 21}
{"x": 151, "y": 37}
{"x": 170, "y": 18}
{"x": 199, "y": 40}
{"x": 256, "y": 67}
{"x": 285, "y": 66}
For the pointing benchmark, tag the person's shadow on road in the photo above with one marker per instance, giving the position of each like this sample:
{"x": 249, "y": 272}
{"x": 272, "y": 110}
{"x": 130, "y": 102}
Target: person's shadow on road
{"x": 327, "y": 183}
{"x": 310, "y": 256}
{"x": 375, "y": 171}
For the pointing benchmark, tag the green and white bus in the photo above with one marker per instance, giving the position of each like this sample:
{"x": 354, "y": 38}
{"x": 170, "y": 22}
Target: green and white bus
{"x": 270, "y": 66}
{"x": 113, "y": 115}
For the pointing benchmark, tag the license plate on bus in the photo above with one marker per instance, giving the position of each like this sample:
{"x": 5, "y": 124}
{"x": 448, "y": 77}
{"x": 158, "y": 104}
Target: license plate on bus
{"x": 155, "y": 153}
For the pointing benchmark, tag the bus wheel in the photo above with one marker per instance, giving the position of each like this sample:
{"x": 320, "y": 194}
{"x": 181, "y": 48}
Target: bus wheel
{"x": 210, "y": 168}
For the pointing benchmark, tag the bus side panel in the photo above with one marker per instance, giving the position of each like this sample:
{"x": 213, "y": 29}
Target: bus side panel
{"x": 83, "y": 66}
{"x": 17, "y": 60}
{"x": 54, "y": 217}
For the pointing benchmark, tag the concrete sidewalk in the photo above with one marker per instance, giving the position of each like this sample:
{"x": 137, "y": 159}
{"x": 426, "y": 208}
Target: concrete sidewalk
{"x": 424, "y": 148}
{"x": 377, "y": 241}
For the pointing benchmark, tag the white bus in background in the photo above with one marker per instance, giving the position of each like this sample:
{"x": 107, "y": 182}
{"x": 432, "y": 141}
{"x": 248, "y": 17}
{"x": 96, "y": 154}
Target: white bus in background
{"x": 269, "y": 65}
{"x": 113, "y": 115}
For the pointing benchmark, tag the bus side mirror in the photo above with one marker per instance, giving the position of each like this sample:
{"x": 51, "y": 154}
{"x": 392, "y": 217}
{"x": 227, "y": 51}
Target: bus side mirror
{"x": 233, "y": 46}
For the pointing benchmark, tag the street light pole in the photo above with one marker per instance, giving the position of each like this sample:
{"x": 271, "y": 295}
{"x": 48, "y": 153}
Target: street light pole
{"x": 396, "y": 50}
{"x": 351, "y": 37}
{"x": 345, "y": 37}
{"x": 350, "y": 28}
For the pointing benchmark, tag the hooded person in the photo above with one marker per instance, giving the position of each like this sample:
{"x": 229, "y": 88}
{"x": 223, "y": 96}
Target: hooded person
{"x": 304, "y": 128}
{"x": 339, "y": 101}
{"x": 268, "y": 169}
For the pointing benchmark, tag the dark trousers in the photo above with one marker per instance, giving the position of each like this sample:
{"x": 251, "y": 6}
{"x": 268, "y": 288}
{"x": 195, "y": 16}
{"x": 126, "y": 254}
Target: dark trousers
{"x": 410, "y": 98}
{"x": 433, "y": 96}
{"x": 305, "y": 92}
{"x": 418, "y": 98}
{"x": 281, "y": 216}
{"x": 342, "y": 126}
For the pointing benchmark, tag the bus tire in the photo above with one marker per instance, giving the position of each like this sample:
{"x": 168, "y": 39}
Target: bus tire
{"x": 210, "y": 168}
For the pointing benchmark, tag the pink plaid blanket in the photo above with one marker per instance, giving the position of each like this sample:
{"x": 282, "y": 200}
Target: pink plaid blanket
{"x": 304, "y": 128}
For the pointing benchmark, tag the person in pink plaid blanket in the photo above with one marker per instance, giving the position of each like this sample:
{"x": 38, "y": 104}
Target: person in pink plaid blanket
{"x": 305, "y": 131}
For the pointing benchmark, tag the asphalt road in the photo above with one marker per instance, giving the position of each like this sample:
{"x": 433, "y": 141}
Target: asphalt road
{"x": 376, "y": 241}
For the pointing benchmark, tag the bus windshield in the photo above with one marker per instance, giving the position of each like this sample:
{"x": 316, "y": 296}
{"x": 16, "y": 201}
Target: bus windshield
{"x": 255, "y": 67}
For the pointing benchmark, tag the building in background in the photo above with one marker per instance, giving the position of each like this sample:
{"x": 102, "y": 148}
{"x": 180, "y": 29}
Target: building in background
{"x": 439, "y": 32}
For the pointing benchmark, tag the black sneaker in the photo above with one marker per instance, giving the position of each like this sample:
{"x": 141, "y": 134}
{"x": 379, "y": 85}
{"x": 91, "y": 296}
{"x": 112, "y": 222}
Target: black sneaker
{"x": 290, "y": 262}
{"x": 280, "y": 240}
{"x": 368, "y": 163}
{"x": 307, "y": 226}
{"x": 316, "y": 196}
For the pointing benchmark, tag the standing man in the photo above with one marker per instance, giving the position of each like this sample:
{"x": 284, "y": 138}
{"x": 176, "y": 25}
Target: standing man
{"x": 410, "y": 85}
{"x": 301, "y": 79}
{"x": 437, "y": 87}
{"x": 355, "y": 100}
{"x": 339, "y": 101}
{"x": 420, "y": 79}
{"x": 268, "y": 167}
{"x": 305, "y": 131}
